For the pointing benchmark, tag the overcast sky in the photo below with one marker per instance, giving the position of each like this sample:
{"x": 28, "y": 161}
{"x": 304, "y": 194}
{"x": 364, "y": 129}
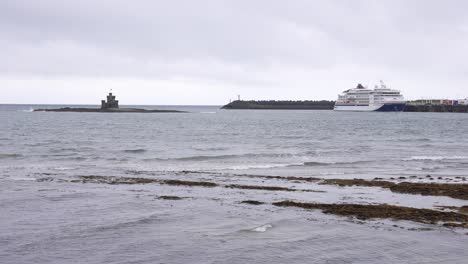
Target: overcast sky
{"x": 206, "y": 52}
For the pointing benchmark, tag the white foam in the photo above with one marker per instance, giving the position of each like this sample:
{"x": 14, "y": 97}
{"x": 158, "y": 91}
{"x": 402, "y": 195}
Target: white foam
{"x": 262, "y": 228}
{"x": 27, "y": 110}
{"x": 64, "y": 168}
{"x": 22, "y": 179}
{"x": 263, "y": 166}
{"x": 332, "y": 173}
{"x": 436, "y": 158}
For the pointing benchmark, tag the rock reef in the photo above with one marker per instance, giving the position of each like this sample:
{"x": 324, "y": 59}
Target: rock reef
{"x": 373, "y": 211}
{"x": 108, "y": 110}
{"x": 111, "y": 105}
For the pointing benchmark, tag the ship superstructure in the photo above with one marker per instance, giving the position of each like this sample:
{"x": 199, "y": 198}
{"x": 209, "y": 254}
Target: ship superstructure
{"x": 381, "y": 98}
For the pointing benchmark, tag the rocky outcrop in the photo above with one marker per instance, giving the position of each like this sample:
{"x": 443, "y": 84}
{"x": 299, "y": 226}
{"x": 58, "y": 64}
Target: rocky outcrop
{"x": 109, "y": 110}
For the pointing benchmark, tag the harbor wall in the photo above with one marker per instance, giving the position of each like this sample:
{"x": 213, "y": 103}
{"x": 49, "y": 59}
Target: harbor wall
{"x": 281, "y": 105}
{"x": 437, "y": 108}
{"x": 328, "y": 105}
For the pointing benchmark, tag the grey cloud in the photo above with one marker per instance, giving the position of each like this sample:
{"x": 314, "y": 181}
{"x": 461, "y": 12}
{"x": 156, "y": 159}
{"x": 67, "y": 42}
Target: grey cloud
{"x": 236, "y": 41}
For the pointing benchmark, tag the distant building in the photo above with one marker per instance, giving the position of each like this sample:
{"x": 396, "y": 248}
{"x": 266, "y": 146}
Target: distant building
{"x": 439, "y": 102}
{"x": 447, "y": 102}
{"x": 426, "y": 102}
{"x": 111, "y": 102}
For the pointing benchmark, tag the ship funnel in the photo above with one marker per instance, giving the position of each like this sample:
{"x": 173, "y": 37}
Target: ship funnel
{"x": 382, "y": 84}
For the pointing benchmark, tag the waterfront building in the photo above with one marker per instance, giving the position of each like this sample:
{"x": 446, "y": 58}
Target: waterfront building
{"x": 426, "y": 102}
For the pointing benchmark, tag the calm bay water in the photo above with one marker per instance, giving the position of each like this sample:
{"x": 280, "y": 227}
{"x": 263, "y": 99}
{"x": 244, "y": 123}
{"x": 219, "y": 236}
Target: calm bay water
{"x": 47, "y": 218}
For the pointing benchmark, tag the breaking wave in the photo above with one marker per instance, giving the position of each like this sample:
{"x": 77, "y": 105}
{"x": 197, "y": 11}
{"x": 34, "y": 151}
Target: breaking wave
{"x": 262, "y": 166}
{"x": 317, "y": 163}
{"x": 435, "y": 158}
{"x": 30, "y": 110}
{"x": 64, "y": 168}
{"x": 228, "y": 156}
{"x": 262, "y": 228}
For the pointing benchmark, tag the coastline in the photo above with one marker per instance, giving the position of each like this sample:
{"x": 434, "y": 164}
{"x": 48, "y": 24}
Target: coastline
{"x": 437, "y": 216}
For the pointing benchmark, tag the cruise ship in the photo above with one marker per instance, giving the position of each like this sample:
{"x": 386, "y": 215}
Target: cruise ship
{"x": 362, "y": 99}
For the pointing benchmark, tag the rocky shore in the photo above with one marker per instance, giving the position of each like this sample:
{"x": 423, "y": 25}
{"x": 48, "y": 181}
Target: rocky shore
{"x": 438, "y": 215}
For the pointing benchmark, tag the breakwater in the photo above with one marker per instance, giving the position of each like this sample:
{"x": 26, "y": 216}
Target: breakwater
{"x": 282, "y": 105}
{"x": 437, "y": 108}
{"x": 328, "y": 105}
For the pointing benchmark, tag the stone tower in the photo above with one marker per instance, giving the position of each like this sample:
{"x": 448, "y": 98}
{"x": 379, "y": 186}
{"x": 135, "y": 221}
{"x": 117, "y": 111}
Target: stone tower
{"x": 111, "y": 102}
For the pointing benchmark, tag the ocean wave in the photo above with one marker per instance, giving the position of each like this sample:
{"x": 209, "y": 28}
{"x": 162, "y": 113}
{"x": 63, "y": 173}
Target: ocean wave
{"x": 30, "y": 110}
{"x": 64, "y": 168}
{"x": 58, "y": 155}
{"x": 75, "y": 158}
{"x": 10, "y": 155}
{"x": 135, "y": 150}
{"x": 332, "y": 173}
{"x": 262, "y": 166}
{"x": 227, "y": 156}
{"x": 317, "y": 163}
{"x": 203, "y": 157}
{"x": 209, "y": 148}
{"x": 413, "y": 140}
{"x": 22, "y": 179}
{"x": 117, "y": 159}
{"x": 63, "y": 150}
{"x": 130, "y": 223}
{"x": 72, "y": 149}
{"x": 262, "y": 228}
{"x": 435, "y": 158}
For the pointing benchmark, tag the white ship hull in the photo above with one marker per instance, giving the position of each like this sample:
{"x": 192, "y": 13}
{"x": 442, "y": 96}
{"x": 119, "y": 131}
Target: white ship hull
{"x": 390, "y": 107}
{"x": 357, "y": 108}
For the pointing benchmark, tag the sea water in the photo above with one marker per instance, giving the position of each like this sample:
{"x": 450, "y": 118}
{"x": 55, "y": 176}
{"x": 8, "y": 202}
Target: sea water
{"x": 47, "y": 216}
